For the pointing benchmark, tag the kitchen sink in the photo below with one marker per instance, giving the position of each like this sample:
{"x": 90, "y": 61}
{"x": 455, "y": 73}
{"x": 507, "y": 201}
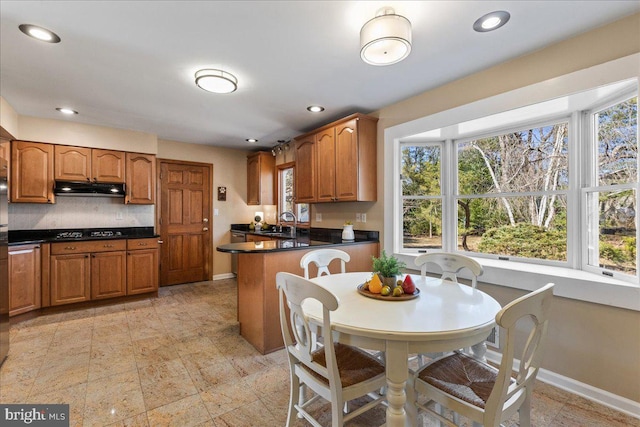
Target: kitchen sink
{"x": 278, "y": 234}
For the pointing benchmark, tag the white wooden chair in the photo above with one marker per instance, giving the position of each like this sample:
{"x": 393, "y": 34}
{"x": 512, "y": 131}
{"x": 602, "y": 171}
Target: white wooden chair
{"x": 450, "y": 264}
{"x": 322, "y": 258}
{"x": 336, "y": 372}
{"x": 477, "y": 390}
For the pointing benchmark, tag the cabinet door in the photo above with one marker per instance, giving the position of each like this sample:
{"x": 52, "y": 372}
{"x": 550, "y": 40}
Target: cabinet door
{"x": 108, "y": 275}
{"x": 70, "y": 278}
{"x": 326, "y": 165}
{"x": 72, "y": 163}
{"x": 31, "y": 172}
{"x": 305, "y": 176}
{"x": 256, "y": 238}
{"x": 141, "y": 179}
{"x": 346, "y": 156}
{"x": 260, "y": 178}
{"x": 107, "y": 166}
{"x": 142, "y": 271}
{"x": 24, "y": 279}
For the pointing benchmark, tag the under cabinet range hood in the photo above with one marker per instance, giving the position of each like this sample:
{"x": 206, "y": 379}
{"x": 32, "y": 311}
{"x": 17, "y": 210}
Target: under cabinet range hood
{"x": 96, "y": 189}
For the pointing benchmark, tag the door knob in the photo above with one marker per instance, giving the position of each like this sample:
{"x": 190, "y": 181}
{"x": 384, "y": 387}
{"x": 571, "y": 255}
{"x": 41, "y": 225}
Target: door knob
{"x": 205, "y": 229}
{"x": 205, "y": 220}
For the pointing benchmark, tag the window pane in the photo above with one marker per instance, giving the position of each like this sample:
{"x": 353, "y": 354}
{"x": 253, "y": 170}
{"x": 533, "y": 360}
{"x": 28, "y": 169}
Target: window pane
{"x": 612, "y": 230}
{"x": 422, "y": 224}
{"x": 525, "y": 161}
{"x": 528, "y": 227}
{"x": 617, "y": 133}
{"x": 303, "y": 212}
{"x": 286, "y": 190}
{"x": 420, "y": 170}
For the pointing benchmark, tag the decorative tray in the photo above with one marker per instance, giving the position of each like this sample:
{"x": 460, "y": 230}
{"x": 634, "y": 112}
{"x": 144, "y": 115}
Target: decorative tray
{"x": 402, "y": 297}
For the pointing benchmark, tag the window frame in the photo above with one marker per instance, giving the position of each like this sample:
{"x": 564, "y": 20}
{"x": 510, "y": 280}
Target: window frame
{"x": 279, "y": 171}
{"x": 570, "y": 283}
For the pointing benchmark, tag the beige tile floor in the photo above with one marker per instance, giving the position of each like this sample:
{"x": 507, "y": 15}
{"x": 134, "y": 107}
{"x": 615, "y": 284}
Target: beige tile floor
{"x": 177, "y": 360}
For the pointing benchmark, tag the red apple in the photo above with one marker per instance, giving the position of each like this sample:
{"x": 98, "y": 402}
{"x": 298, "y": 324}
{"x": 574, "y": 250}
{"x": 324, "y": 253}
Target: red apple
{"x": 408, "y": 286}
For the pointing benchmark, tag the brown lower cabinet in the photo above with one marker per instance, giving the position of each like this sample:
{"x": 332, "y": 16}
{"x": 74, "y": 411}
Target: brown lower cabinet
{"x": 142, "y": 266}
{"x": 82, "y": 271}
{"x": 24, "y": 279}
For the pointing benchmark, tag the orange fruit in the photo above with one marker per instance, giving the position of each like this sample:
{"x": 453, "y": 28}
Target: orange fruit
{"x": 375, "y": 285}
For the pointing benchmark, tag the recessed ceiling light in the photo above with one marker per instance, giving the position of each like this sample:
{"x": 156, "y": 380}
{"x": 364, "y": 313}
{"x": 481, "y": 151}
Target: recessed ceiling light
{"x": 251, "y": 140}
{"x": 68, "y": 111}
{"x": 491, "y": 21}
{"x": 216, "y": 81}
{"x": 39, "y": 33}
{"x": 315, "y": 108}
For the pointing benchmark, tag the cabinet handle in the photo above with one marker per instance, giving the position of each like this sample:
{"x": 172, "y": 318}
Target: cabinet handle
{"x": 88, "y": 179}
{"x": 142, "y": 244}
{"x": 70, "y": 248}
{"x": 87, "y": 256}
{"x": 107, "y": 246}
{"x": 160, "y": 241}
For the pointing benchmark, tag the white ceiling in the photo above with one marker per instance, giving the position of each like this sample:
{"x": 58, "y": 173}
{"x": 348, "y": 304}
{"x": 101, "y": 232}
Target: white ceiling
{"x": 130, "y": 64}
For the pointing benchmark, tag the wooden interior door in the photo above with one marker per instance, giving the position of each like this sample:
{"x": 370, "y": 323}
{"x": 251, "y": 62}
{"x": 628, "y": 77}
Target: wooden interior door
{"x": 185, "y": 221}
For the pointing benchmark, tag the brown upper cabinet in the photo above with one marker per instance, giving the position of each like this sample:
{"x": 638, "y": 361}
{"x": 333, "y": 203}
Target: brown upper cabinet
{"x": 89, "y": 164}
{"x": 260, "y": 178}
{"x": 31, "y": 172}
{"x": 337, "y": 162}
{"x": 141, "y": 179}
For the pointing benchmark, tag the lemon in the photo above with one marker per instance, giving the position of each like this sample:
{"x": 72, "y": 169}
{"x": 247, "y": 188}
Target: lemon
{"x": 397, "y": 291}
{"x": 386, "y": 290}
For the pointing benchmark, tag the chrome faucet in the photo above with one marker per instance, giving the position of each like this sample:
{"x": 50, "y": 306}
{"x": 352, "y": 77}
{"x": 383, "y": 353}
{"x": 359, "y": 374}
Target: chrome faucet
{"x": 295, "y": 221}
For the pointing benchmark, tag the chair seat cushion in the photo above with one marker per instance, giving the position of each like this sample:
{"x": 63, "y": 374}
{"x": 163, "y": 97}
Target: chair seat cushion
{"x": 463, "y": 377}
{"x": 354, "y": 365}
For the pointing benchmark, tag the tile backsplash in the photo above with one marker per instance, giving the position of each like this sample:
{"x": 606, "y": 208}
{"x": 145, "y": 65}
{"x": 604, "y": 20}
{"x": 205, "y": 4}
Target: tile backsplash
{"x": 80, "y": 212}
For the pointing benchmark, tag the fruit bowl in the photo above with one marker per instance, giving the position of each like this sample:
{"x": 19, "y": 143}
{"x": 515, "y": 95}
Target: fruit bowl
{"x": 403, "y": 297}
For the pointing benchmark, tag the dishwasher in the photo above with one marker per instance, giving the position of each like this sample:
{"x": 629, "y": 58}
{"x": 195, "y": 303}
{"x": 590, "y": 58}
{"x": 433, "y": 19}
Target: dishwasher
{"x": 236, "y": 237}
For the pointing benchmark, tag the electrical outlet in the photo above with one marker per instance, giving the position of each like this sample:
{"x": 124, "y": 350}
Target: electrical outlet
{"x": 358, "y": 218}
{"x": 119, "y": 215}
{"x": 318, "y": 217}
{"x": 363, "y": 217}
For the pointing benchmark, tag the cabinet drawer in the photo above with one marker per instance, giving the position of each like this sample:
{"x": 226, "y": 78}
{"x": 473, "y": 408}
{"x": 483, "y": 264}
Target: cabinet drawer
{"x": 135, "y": 244}
{"x": 61, "y": 248}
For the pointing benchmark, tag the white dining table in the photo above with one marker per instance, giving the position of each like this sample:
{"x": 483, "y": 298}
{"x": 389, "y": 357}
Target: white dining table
{"x": 445, "y": 316}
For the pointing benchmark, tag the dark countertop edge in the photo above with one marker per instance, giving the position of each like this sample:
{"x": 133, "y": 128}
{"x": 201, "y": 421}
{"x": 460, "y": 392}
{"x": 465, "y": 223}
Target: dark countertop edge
{"x": 280, "y": 246}
{"x": 313, "y": 233}
{"x": 26, "y": 237}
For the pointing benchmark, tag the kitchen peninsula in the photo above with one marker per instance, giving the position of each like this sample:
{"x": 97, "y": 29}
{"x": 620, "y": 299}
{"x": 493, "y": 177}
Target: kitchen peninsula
{"x": 259, "y": 261}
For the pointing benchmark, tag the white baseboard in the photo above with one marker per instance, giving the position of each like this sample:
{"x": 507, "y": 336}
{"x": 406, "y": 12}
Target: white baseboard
{"x": 594, "y": 394}
{"x": 224, "y": 276}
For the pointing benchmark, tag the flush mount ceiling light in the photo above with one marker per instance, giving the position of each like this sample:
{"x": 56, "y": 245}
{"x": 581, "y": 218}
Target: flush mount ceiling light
{"x": 39, "y": 33}
{"x": 315, "y": 108}
{"x": 491, "y": 21}
{"x": 385, "y": 39}
{"x": 252, "y": 140}
{"x": 216, "y": 81}
{"x": 67, "y": 111}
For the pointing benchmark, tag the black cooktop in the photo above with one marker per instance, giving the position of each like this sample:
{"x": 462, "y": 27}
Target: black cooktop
{"x": 62, "y": 235}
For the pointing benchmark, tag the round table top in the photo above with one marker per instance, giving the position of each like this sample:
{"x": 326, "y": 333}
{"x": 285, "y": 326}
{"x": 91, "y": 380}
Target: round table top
{"x": 443, "y": 310}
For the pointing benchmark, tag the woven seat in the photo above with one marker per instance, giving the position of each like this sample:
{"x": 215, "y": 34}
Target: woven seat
{"x": 463, "y": 377}
{"x": 480, "y": 392}
{"x": 335, "y": 372}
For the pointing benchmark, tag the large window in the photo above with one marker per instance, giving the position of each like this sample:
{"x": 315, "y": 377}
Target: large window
{"x": 512, "y": 193}
{"x": 611, "y": 198}
{"x": 552, "y": 183}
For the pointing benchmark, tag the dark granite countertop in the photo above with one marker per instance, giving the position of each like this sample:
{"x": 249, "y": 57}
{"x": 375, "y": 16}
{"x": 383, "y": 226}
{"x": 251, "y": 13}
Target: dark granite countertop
{"x": 305, "y": 238}
{"x": 23, "y": 237}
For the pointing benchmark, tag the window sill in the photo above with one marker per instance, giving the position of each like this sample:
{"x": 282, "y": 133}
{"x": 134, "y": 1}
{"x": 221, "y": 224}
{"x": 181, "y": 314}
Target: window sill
{"x": 573, "y": 284}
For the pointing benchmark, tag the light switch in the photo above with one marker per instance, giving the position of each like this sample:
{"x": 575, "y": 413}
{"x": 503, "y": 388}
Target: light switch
{"x": 318, "y": 217}
{"x": 358, "y": 218}
{"x": 215, "y": 212}
{"x": 364, "y": 217}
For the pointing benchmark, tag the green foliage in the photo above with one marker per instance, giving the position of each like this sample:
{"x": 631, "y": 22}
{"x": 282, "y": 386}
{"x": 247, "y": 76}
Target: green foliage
{"x": 525, "y": 240}
{"x": 387, "y": 266}
{"x": 612, "y": 253}
{"x": 630, "y": 246}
